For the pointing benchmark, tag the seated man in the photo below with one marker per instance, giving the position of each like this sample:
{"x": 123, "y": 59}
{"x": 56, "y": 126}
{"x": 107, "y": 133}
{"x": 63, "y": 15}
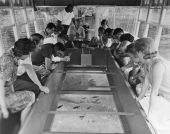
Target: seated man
{"x": 47, "y": 54}
{"x": 116, "y": 39}
{"x": 119, "y": 53}
{"x": 48, "y": 34}
{"x": 98, "y": 41}
{"x": 77, "y": 33}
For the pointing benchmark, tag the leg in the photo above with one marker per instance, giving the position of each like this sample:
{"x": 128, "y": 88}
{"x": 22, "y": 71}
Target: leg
{"x": 22, "y": 85}
{"x": 19, "y": 101}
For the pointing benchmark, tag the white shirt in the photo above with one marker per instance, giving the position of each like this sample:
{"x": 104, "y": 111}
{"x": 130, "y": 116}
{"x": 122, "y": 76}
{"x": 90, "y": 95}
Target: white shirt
{"x": 65, "y": 17}
{"x": 109, "y": 42}
{"x": 21, "y": 69}
{"x": 50, "y": 40}
{"x": 55, "y": 59}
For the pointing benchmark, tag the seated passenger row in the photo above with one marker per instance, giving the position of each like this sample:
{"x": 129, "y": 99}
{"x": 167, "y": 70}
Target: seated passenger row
{"x": 23, "y": 71}
{"x": 150, "y": 80}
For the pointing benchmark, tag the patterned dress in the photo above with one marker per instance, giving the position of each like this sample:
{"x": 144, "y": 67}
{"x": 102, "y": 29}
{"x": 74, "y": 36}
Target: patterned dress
{"x": 15, "y": 101}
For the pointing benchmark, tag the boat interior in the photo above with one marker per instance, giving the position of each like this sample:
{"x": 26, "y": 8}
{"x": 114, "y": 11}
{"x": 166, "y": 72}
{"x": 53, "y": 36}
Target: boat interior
{"x": 90, "y": 94}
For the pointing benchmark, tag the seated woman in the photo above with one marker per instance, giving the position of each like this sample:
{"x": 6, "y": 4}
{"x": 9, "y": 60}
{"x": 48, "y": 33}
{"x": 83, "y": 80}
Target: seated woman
{"x": 47, "y": 54}
{"x": 157, "y": 77}
{"x": 26, "y": 77}
{"x": 11, "y": 100}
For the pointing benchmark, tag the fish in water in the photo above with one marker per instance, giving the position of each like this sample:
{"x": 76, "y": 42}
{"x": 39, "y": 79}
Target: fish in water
{"x": 59, "y": 106}
{"x": 76, "y": 107}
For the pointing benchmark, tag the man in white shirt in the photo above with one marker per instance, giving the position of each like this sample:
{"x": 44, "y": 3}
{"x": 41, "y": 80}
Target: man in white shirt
{"x": 65, "y": 17}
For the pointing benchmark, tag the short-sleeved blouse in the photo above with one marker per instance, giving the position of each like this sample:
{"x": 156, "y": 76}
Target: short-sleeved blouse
{"x": 8, "y": 68}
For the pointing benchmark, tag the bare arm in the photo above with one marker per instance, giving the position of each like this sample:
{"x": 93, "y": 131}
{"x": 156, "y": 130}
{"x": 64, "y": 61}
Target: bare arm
{"x": 2, "y": 99}
{"x": 47, "y": 63}
{"x": 144, "y": 88}
{"x": 32, "y": 75}
{"x": 157, "y": 76}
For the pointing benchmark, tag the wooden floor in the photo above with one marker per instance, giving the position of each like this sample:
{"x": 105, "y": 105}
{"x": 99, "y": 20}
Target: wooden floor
{"x": 42, "y": 113}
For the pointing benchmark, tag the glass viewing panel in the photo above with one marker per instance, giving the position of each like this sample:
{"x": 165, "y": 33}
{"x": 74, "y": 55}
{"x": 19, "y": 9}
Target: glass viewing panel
{"x": 18, "y": 3}
{"x": 22, "y": 31}
{"x": 166, "y": 20}
{"x": 141, "y": 29}
{"x": 4, "y": 3}
{"x": 84, "y": 102}
{"x": 82, "y": 81}
{"x": 8, "y": 38}
{"x": 31, "y": 28}
{"x": 87, "y": 123}
{"x": 28, "y": 2}
{"x": 5, "y": 18}
{"x": 143, "y": 13}
{"x": 19, "y": 16}
{"x": 164, "y": 47}
{"x": 152, "y": 31}
{"x": 30, "y": 14}
{"x": 155, "y": 15}
{"x": 125, "y": 17}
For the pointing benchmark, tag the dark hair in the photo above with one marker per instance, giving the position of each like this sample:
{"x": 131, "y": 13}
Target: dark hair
{"x": 36, "y": 37}
{"x": 131, "y": 49}
{"x": 108, "y": 31}
{"x": 60, "y": 46}
{"x": 70, "y": 5}
{"x": 117, "y": 31}
{"x": 127, "y": 37}
{"x": 69, "y": 8}
{"x": 103, "y": 22}
{"x": 23, "y": 46}
{"x": 51, "y": 25}
{"x": 101, "y": 29}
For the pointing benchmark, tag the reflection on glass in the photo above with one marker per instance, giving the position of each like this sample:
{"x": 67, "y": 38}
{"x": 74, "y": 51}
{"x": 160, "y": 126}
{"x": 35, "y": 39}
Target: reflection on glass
{"x": 87, "y": 123}
{"x": 164, "y": 47}
{"x": 81, "y": 81}
{"x": 5, "y": 18}
{"x": 80, "y": 102}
